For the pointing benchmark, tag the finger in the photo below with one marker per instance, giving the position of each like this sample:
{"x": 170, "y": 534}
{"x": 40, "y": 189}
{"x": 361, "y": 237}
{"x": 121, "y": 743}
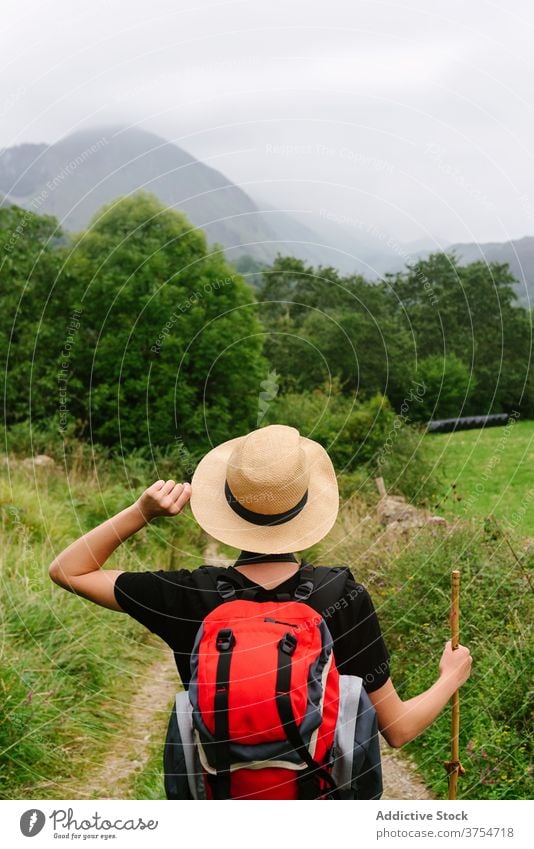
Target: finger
{"x": 167, "y": 500}
{"x": 177, "y": 491}
{"x": 167, "y": 487}
{"x": 155, "y": 487}
{"x": 182, "y": 499}
{"x": 172, "y": 497}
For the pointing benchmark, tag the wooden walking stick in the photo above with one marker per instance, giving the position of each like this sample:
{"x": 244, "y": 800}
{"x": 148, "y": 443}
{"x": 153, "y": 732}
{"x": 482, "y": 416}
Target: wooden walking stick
{"x": 454, "y": 767}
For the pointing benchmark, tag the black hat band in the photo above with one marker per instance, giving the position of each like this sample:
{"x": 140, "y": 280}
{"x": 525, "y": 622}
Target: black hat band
{"x": 263, "y": 518}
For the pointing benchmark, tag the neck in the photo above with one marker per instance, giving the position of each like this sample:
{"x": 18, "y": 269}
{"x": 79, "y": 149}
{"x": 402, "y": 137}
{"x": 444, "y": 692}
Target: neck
{"x": 247, "y": 558}
{"x": 273, "y": 569}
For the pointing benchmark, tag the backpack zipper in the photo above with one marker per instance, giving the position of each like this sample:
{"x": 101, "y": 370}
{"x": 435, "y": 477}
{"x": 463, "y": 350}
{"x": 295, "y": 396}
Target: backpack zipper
{"x": 277, "y": 622}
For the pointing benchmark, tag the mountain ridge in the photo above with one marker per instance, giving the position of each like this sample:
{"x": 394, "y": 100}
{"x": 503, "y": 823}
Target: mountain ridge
{"x": 75, "y": 176}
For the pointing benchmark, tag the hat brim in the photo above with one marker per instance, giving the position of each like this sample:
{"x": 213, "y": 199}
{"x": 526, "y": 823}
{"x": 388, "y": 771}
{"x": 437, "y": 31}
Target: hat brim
{"x": 214, "y": 514}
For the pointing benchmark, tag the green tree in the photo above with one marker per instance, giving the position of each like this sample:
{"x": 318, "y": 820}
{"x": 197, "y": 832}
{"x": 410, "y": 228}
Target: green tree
{"x": 322, "y": 325}
{"x": 471, "y": 312}
{"x": 446, "y": 384}
{"x": 170, "y": 346}
{"x": 33, "y": 311}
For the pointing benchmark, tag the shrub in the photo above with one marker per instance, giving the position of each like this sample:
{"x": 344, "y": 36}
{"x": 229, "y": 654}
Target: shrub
{"x": 363, "y": 438}
{"x": 448, "y": 385}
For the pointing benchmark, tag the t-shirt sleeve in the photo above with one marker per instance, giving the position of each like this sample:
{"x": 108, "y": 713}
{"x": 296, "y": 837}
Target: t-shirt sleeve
{"x": 155, "y": 599}
{"x": 360, "y": 648}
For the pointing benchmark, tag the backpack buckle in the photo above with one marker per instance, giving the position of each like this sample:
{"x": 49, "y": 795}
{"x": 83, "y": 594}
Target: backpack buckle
{"x": 225, "y": 640}
{"x": 288, "y": 644}
{"x": 225, "y": 590}
{"x": 303, "y": 591}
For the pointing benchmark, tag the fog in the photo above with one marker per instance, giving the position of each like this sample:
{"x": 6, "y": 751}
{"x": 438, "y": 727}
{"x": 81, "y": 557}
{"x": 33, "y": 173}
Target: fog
{"x": 415, "y": 118}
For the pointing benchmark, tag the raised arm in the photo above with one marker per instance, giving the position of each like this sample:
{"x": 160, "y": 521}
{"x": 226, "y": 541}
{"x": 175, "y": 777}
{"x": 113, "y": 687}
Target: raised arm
{"x": 78, "y": 567}
{"x": 398, "y": 721}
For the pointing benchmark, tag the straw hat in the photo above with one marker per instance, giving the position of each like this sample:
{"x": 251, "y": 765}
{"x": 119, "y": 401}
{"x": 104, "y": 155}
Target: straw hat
{"x": 271, "y": 491}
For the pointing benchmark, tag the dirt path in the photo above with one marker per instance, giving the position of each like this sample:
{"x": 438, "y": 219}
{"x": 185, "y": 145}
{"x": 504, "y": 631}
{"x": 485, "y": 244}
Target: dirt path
{"x": 145, "y": 718}
{"x": 400, "y": 776}
{"x": 147, "y": 715}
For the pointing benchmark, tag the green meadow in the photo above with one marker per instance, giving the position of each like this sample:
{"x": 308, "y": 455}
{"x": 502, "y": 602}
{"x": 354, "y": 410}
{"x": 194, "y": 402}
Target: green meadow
{"x": 70, "y": 670}
{"x": 487, "y": 472}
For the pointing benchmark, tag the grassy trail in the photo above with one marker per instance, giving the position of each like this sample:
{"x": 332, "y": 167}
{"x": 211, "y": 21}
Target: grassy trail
{"x": 408, "y": 575}
{"x": 133, "y": 768}
{"x": 69, "y": 670}
{"x": 144, "y": 726}
{"x": 86, "y": 693}
{"x": 401, "y": 777}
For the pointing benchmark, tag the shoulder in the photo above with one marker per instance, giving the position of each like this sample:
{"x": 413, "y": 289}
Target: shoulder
{"x": 339, "y": 581}
{"x": 163, "y": 587}
{"x": 175, "y": 577}
{"x": 341, "y": 597}
{"x": 155, "y": 577}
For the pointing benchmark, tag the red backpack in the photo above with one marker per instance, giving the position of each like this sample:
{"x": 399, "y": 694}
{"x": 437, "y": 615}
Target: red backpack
{"x": 259, "y": 720}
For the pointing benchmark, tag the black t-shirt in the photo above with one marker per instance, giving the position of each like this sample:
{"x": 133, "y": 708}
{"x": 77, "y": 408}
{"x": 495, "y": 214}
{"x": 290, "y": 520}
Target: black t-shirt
{"x": 171, "y": 605}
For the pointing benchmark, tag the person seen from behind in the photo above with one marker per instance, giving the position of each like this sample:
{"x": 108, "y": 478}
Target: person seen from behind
{"x": 283, "y": 663}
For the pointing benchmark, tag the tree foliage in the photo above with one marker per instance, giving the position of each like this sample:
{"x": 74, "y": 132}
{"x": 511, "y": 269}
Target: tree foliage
{"x": 323, "y": 326}
{"x": 156, "y": 337}
{"x": 135, "y": 334}
{"x": 33, "y": 308}
{"x": 470, "y": 312}
{"x": 457, "y": 327}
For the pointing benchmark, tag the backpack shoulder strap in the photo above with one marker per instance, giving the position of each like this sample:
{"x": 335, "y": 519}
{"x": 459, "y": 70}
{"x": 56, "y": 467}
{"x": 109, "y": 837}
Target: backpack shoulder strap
{"x": 322, "y": 586}
{"x": 217, "y": 584}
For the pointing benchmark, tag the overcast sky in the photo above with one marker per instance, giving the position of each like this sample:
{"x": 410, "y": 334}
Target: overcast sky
{"x": 417, "y": 117}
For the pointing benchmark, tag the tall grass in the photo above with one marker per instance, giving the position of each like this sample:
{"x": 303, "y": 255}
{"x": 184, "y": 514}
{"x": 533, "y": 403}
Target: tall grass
{"x": 67, "y": 667}
{"x": 408, "y": 576}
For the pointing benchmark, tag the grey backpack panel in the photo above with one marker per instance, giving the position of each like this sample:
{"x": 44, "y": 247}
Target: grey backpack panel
{"x": 343, "y": 753}
{"x": 366, "y": 767}
{"x": 174, "y": 766}
{"x": 184, "y": 717}
{"x": 181, "y": 765}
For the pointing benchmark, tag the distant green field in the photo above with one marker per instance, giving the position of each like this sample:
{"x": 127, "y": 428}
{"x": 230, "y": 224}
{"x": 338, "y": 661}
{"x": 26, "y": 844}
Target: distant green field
{"x": 488, "y": 471}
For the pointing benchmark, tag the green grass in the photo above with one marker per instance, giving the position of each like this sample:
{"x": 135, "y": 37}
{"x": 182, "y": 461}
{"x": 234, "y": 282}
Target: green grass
{"x": 488, "y": 471}
{"x": 148, "y": 783}
{"x": 67, "y": 667}
{"x": 496, "y": 625}
{"x": 409, "y": 580}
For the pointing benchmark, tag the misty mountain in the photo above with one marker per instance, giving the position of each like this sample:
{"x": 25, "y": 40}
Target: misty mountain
{"x": 349, "y": 247}
{"x": 73, "y": 178}
{"x": 519, "y": 254}
{"x": 346, "y": 244}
